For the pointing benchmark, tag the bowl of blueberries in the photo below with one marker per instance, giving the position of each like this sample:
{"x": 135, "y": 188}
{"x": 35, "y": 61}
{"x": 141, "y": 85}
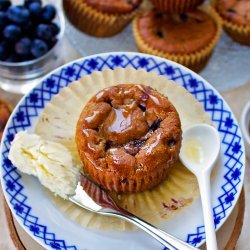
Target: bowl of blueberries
{"x": 30, "y": 37}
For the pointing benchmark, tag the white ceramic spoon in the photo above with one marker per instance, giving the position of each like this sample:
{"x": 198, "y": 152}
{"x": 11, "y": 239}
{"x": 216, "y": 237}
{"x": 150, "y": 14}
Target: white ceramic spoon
{"x": 199, "y": 151}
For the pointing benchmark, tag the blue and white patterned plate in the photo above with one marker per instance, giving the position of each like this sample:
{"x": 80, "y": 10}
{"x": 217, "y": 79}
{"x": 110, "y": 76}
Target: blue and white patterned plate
{"x": 35, "y": 211}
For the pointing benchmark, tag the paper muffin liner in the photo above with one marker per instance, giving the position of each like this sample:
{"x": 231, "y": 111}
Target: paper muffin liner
{"x": 195, "y": 61}
{"x": 58, "y": 123}
{"x": 94, "y": 22}
{"x": 239, "y": 33}
{"x": 176, "y": 6}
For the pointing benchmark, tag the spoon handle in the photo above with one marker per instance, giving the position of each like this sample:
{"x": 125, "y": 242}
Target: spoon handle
{"x": 169, "y": 241}
{"x": 205, "y": 190}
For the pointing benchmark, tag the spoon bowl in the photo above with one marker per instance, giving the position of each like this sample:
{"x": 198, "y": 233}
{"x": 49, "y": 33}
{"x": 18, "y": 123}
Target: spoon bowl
{"x": 201, "y": 147}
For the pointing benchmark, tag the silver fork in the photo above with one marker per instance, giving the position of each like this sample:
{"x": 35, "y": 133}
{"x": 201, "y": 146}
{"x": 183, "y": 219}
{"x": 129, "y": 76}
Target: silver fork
{"x": 93, "y": 198}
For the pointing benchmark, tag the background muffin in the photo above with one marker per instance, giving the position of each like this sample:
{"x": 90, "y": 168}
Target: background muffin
{"x": 236, "y": 18}
{"x": 176, "y": 6}
{"x": 128, "y": 136}
{"x": 5, "y": 112}
{"x": 187, "y": 38}
{"x": 101, "y": 18}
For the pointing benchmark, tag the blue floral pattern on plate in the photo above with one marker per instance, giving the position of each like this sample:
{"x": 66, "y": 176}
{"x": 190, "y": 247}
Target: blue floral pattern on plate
{"x": 33, "y": 103}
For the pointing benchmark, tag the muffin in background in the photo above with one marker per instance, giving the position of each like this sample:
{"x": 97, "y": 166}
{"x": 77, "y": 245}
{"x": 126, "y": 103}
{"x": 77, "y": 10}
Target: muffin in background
{"x": 101, "y": 18}
{"x": 5, "y": 112}
{"x": 187, "y": 38}
{"x": 176, "y": 6}
{"x": 236, "y": 18}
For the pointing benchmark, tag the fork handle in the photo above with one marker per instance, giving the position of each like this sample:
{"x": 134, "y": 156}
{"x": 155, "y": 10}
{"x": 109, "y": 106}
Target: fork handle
{"x": 164, "y": 238}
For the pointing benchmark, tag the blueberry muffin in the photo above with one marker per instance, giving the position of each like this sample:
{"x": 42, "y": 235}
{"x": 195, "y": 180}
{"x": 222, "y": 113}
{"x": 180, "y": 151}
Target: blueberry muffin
{"x": 176, "y": 6}
{"x": 5, "y": 112}
{"x": 101, "y": 18}
{"x": 128, "y": 137}
{"x": 236, "y": 18}
{"x": 187, "y": 38}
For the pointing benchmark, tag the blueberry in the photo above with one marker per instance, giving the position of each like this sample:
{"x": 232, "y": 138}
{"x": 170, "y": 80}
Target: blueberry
{"x": 22, "y": 47}
{"x": 12, "y": 32}
{"x": 4, "y": 50}
{"x": 44, "y": 31}
{"x": 4, "y": 5}
{"x": 3, "y": 20}
{"x": 28, "y": 28}
{"x": 38, "y": 48}
{"x": 13, "y": 58}
{"x": 55, "y": 28}
{"x": 35, "y": 9}
{"x": 18, "y": 14}
{"x": 52, "y": 42}
{"x": 26, "y": 58}
{"x": 28, "y": 2}
{"x": 49, "y": 12}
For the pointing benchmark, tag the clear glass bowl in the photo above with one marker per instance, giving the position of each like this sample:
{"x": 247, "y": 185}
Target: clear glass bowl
{"x": 22, "y": 76}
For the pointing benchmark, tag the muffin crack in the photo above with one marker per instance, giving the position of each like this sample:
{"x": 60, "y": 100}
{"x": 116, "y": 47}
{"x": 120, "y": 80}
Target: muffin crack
{"x": 156, "y": 124}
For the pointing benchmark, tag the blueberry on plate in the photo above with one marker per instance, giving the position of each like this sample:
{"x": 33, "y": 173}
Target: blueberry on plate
{"x": 23, "y": 46}
{"x": 28, "y": 2}
{"x": 12, "y": 32}
{"x": 3, "y": 20}
{"x": 49, "y": 13}
{"x": 4, "y": 5}
{"x": 35, "y": 9}
{"x": 4, "y": 50}
{"x": 44, "y": 31}
{"x": 18, "y": 14}
{"x": 39, "y": 48}
{"x": 55, "y": 28}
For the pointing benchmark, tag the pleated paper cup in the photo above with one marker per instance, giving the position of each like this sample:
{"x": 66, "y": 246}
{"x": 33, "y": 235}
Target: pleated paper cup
{"x": 196, "y": 60}
{"x": 58, "y": 123}
{"x": 94, "y": 22}
{"x": 239, "y": 33}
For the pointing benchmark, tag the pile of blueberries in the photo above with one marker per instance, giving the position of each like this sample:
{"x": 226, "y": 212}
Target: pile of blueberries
{"x": 26, "y": 31}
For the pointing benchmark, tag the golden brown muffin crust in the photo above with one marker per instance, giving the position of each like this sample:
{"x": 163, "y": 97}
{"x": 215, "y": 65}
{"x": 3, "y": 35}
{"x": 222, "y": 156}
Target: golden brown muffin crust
{"x": 128, "y": 134}
{"x": 236, "y": 11}
{"x": 114, "y": 6}
{"x": 176, "y": 6}
{"x": 177, "y": 34}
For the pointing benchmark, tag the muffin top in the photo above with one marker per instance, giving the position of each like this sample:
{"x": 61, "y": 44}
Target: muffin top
{"x": 129, "y": 130}
{"x": 177, "y": 34}
{"x": 114, "y": 6}
{"x": 236, "y": 11}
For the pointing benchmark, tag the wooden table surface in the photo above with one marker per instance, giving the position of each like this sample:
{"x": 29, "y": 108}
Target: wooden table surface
{"x": 229, "y": 233}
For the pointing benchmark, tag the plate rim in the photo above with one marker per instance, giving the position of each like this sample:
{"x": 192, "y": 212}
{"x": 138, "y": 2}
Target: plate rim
{"x": 129, "y": 54}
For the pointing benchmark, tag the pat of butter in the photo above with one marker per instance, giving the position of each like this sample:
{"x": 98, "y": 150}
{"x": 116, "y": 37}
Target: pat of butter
{"x": 49, "y": 161}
